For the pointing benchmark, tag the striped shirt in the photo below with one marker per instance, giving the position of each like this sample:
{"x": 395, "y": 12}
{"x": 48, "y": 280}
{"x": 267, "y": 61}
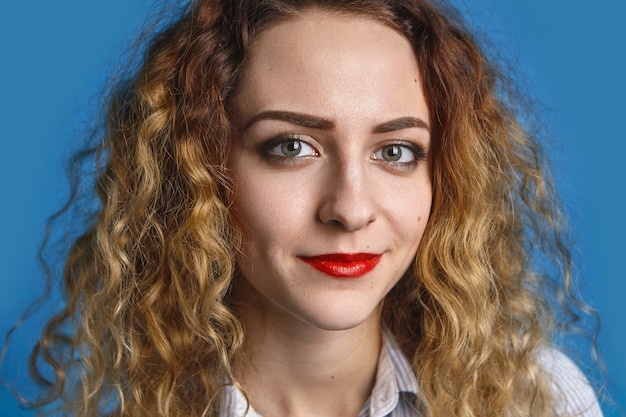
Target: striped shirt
{"x": 395, "y": 390}
{"x": 574, "y": 395}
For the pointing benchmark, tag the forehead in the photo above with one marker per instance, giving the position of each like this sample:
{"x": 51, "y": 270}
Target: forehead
{"x": 315, "y": 34}
{"x": 318, "y": 56}
{"x": 324, "y": 26}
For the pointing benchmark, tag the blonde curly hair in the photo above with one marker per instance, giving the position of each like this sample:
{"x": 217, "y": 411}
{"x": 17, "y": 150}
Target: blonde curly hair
{"x": 146, "y": 329}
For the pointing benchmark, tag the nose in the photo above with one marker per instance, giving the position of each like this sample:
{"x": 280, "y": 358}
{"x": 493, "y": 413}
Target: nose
{"x": 348, "y": 198}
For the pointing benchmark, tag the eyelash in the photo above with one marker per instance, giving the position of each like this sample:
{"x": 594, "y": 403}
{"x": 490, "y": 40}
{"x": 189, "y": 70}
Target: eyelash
{"x": 267, "y": 150}
{"x": 419, "y": 154}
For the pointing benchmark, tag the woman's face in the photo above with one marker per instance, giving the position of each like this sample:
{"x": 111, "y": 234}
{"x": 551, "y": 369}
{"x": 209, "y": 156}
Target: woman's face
{"x": 331, "y": 167}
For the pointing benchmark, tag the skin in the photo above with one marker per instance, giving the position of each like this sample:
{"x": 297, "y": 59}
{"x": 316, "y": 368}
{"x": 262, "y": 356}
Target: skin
{"x": 323, "y": 103}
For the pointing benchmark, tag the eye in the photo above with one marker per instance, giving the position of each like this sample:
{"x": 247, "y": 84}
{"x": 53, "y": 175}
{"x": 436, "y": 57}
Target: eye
{"x": 292, "y": 148}
{"x": 400, "y": 153}
{"x": 394, "y": 153}
{"x": 288, "y": 148}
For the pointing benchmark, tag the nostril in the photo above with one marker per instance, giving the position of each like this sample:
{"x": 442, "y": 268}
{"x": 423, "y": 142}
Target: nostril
{"x": 348, "y": 214}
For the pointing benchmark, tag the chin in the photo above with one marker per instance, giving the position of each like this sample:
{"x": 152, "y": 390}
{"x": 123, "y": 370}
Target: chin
{"x": 340, "y": 319}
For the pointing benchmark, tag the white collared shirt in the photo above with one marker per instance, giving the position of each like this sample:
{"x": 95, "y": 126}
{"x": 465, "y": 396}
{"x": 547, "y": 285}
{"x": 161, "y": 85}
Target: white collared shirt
{"x": 396, "y": 390}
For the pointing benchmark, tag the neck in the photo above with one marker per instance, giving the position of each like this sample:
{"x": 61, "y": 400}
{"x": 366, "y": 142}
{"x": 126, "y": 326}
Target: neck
{"x": 295, "y": 369}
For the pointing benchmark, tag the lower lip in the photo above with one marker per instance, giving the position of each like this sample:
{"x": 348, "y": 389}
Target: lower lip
{"x": 344, "y": 265}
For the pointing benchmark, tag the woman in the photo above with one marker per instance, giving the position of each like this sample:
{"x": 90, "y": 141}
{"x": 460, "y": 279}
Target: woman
{"x": 315, "y": 208}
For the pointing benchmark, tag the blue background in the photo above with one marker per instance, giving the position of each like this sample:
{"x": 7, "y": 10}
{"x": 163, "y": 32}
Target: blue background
{"x": 571, "y": 54}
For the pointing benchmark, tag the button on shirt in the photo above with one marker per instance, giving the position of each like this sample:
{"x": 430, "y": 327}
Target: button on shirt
{"x": 396, "y": 390}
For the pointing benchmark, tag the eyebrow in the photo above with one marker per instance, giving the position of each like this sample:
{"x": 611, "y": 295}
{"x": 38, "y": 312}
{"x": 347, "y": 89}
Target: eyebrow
{"x": 400, "y": 124}
{"x": 300, "y": 119}
{"x": 314, "y": 122}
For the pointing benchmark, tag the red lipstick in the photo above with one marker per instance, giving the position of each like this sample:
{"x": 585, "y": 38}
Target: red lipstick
{"x": 343, "y": 265}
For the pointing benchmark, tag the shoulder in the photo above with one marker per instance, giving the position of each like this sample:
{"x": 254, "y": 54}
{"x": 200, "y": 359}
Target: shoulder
{"x": 573, "y": 393}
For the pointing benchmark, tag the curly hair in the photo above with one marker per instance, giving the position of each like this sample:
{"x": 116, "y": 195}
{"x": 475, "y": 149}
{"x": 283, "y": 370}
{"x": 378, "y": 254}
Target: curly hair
{"x": 146, "y": 329}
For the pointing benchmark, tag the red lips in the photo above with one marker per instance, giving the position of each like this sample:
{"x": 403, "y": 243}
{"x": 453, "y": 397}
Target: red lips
{"x": 344, "y": 265}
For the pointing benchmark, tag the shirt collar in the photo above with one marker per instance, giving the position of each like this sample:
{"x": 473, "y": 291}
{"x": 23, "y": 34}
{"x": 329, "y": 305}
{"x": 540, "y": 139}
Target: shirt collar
{"x": 393, "y": 378}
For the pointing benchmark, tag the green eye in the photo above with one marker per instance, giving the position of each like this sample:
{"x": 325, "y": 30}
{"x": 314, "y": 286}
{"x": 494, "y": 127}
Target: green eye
{"x": 287, "y": 148}
{"x": 395, "y": 153}
{"x": 391, "y": 153}
{"x": 291, "y": 148}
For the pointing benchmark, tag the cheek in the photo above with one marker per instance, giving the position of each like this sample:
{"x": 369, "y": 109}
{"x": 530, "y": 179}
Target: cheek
{"x": 254, "y": 209}
{"x": 408, "y": 210}
{"x": 269, "y": 208}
